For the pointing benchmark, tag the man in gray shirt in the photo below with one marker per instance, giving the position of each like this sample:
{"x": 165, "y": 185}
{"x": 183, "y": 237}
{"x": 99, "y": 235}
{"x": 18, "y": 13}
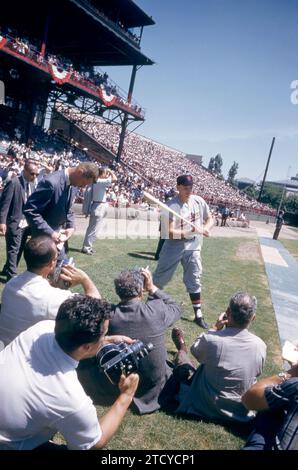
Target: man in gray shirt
{"x": 230, "y": 360}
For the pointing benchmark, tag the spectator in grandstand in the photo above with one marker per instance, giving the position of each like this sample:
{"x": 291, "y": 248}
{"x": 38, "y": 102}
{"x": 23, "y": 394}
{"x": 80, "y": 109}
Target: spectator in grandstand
{"x": 183, "y": 243}
{"x": 147, "y": 321}
{"x": 12, "y": 220}
{"x": 29, "y": 298}
{"x": 243, "y": 219}
{"x": 276, "y": 425}
{"x": 230, "y": 359}
{"x": 49, "y": 207}
{"x": 46, "y": 169}
{"x": 97, "y": 207}
{"x": 39, "y": 389}
{"x": 156, "y": 165}
{"x": 279, "y": 224}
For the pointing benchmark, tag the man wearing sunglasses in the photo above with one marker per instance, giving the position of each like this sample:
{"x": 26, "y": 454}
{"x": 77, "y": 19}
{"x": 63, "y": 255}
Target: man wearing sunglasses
{"x": 12, "y": 220}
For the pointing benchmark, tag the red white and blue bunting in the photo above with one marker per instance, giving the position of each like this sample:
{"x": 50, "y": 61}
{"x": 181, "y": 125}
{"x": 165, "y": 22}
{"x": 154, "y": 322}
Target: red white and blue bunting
{"x": 3, "y": 41}
{"x": 60, "y": 77}
{"x": 108, "y": 100}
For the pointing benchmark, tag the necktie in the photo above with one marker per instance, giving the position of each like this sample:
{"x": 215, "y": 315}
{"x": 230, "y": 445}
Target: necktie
{"x": 27, "y": 191}
{"x": 69, "y": 196}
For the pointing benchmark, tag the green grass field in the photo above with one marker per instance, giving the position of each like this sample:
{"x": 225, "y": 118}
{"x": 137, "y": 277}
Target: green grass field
{"x": 291, "y": 245}
{"x": 229, "y": 265}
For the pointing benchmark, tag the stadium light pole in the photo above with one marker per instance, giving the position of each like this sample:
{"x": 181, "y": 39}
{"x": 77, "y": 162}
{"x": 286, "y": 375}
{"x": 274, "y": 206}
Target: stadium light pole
{"x": 267, "y": 166}
{"x": 125, "y": 119}
{"x": 284, "y": 190}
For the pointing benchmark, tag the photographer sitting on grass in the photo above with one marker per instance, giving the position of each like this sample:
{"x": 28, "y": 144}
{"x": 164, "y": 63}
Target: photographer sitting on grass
{"x": 29, "y": 298}
{"x": 39, "y": 390}
{"x": 146, "y": 320}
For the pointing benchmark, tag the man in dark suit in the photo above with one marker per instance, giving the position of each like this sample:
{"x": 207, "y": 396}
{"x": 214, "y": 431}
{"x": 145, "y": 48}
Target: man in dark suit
{"x": 48, "y": 209}
{"x": 12, "y": 220}
{"x": 146, "y": 321}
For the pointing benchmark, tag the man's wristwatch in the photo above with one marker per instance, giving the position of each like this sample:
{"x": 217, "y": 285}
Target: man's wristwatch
{"x": 283, "y": 376}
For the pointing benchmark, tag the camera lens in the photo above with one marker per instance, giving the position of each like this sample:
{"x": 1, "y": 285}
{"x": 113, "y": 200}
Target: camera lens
{"x": 115, "y": 359}
{"x": 140, "y": 348}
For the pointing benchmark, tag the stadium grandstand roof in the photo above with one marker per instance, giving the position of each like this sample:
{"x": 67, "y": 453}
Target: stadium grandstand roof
{"x": 95, "y": 32}
{"x": 245, "y": 180}
{"x": 134, "y": 16}
{"x": 289, "y": 183}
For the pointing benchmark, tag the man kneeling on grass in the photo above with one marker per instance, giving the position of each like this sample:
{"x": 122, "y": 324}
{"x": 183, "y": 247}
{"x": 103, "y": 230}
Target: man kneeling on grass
{"x": 39, "y": 390}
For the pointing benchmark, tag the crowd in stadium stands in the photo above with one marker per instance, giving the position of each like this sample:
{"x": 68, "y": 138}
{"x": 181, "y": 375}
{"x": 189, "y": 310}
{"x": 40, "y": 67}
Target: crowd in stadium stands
{"x": 53, "y": 155}
{"x": 129, "y": 34}
{"x": 85, "y": 75}
{"x": 159, "y": 165}
{"x": 147, "y": 165}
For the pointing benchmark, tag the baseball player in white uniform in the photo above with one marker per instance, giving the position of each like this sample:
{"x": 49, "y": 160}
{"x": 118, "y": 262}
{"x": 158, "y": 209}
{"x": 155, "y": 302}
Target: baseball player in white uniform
{"x": 183, "y": 243}
{"x": 97, "y": 206}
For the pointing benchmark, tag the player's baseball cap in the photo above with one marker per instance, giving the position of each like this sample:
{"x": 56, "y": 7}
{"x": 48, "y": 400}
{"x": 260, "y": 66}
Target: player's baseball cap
{"x": 185, "y": 180}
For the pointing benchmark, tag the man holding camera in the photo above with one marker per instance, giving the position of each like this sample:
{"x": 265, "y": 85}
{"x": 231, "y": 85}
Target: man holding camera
{"x": 97, "y": 207}
{"x": 147, "y": 321}
{"x": 39, "y": 389}
{"x": 29, "y": 298}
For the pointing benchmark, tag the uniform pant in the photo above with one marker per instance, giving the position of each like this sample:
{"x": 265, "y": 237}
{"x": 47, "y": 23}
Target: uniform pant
{"x": 98, "y": 211}
{"x": 171, "y": 254}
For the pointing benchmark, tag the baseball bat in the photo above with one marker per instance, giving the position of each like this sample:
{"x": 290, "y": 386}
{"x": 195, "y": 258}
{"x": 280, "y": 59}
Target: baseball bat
{"x": 168, "y": 209}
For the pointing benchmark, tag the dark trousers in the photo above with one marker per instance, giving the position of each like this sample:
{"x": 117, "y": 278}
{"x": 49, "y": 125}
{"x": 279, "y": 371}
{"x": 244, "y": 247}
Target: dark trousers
{"x": 51, "y": 446}
{"x": 183, "y": 373}
{"x": 266, "y": 426}
{"x": 15, "y": 243}
{"x": 223, "y": 220}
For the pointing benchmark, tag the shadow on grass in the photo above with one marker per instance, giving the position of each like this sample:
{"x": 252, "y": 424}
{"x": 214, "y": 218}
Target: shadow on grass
{"x": 3, "y": 280}
{"x": 241, "y": 430}
{"x": 188, "y": 320}
{"x": 142, "y": 255}
{"x": 75, "y": 250}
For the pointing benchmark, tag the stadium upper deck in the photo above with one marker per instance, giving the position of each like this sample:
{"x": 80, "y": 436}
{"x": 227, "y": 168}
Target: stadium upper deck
{"x": 97, "y": 32}
{"x": 51, "y": 51}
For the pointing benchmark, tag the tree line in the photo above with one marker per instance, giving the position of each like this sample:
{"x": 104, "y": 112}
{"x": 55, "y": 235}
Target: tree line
{"x": 274, "y": 196}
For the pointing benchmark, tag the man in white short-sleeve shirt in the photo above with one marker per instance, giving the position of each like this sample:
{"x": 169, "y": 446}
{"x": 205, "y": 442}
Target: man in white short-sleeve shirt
{"x": 39, "y": 390}
{"x": 29, "y": 298}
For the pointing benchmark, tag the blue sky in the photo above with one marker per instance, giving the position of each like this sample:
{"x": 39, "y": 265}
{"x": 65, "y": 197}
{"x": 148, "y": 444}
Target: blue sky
{"x": 221, "y": 81}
